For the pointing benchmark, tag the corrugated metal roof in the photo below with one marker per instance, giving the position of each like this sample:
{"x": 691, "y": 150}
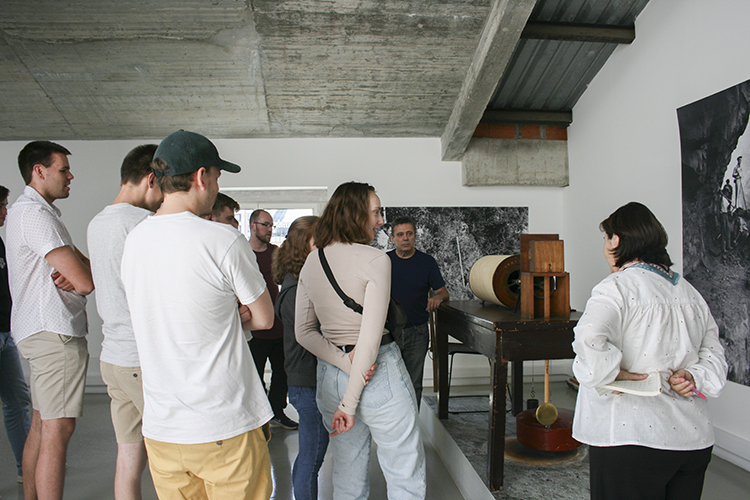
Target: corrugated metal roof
{"x": 612, "y": 12}
{"x": 551, "y": 75}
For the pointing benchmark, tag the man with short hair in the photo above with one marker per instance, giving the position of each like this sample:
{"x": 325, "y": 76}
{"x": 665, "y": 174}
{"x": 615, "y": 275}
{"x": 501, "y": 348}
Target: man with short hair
{"x": 138, "y": 198}
{"x": 413, "y": 275}
{"x": 224, "y": 209}
{"x": 204, "y": 405}
{"x": 49, "y": 279}
{"x": 13, "y": 389}
{"x": 269, "y": 344}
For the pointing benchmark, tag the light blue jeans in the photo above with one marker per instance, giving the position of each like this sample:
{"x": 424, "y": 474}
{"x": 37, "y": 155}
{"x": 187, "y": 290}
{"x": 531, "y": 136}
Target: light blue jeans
{"x": 387, "y": 414}
{"x": 15, "y": 396}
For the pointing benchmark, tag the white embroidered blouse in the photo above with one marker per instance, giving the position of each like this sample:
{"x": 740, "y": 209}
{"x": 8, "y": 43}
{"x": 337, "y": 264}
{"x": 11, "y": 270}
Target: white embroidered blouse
{"x": 639, "y": 320}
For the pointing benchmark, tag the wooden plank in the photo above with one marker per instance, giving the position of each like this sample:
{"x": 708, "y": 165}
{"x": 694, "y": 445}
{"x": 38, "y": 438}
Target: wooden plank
{"x": 515, "y": 116}
{"x": 525, "y": 241}
{"x": 479, "y": 338}
{"x": 499, "y": 37}
{"x": 546, "y": 256}
{"x": 575, "y": 32}
{"x": 550, "y": 344}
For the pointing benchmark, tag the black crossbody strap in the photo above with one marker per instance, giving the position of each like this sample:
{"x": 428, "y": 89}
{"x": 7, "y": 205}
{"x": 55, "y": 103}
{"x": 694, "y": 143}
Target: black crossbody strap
{"x": 348, "y": 301}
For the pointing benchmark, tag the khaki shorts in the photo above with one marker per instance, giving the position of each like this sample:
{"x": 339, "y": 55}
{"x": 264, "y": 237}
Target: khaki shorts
{"x": 58, "y": 373}
{"x": 232, "y": 469}
{"x": 125, "y": 388}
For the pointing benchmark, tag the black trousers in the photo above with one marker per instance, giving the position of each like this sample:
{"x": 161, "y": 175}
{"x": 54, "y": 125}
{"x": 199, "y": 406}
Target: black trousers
{"x": 273, "y": 351}
{"x": 641, "y": 473}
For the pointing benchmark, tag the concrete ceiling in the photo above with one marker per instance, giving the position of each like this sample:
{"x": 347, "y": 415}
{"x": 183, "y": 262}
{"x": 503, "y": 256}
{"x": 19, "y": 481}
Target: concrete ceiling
{"x": 133, "y": 69}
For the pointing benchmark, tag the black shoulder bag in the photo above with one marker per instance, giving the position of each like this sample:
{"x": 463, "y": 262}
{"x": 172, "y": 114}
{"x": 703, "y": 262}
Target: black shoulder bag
{"x": 396, "y": 318}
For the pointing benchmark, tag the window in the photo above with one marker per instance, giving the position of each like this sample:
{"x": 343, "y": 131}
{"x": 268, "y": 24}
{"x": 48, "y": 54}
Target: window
{"x": 284, "y": 204}
{"x": 282, "y": 219}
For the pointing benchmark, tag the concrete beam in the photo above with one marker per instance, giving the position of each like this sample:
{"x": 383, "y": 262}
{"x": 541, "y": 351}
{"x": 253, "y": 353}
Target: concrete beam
{"x": 515, "y": 162}
{"x": 497, "y": 42}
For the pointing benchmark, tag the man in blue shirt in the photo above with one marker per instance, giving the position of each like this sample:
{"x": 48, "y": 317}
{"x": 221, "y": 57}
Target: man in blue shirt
{"x": 413, "y": 275}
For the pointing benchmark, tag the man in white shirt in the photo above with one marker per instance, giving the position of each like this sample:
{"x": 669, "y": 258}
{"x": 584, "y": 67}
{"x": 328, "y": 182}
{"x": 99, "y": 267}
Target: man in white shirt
{"x": 49, "y": 279}
{"x": 204, "y": 404}
{"x": 138, "y": 198}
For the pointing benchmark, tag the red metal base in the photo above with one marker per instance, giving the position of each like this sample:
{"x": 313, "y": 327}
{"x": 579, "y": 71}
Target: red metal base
{"x": 557, "y": 437}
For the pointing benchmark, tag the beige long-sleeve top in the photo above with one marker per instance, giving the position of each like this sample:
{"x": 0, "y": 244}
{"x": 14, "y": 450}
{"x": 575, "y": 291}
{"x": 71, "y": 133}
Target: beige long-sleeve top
{"x": 364, "y": 274}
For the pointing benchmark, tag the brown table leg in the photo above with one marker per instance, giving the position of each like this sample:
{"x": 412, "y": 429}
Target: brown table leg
{"x": 517, "y": 387}
{"x": 441, "y": 353}
{"x": 496, "y": 441}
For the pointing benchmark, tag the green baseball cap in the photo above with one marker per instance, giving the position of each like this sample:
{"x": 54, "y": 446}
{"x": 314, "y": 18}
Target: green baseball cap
{"x": 186, "y": 152}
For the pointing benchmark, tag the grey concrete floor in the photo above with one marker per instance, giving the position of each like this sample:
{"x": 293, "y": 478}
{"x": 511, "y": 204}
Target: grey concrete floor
{"x": 92, "y": 452}
{"x": 724, "y": 480}
{"x": 91, "y": 461}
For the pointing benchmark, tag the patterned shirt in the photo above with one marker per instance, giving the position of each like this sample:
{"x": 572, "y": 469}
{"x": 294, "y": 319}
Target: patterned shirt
{"x": 34, "y": 230}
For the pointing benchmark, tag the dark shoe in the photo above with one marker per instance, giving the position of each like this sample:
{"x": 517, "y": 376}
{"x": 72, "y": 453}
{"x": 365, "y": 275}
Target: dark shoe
{"x": 284, "y": 422}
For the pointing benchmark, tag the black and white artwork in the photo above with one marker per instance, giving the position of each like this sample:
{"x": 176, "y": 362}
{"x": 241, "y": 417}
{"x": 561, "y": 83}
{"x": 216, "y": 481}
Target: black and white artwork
{"x": 459, "y": 236}
{"x": 715, "y": 146}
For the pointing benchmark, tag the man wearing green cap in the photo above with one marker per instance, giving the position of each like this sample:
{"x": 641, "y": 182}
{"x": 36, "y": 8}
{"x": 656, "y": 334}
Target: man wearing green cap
{"x": 204, "y": 404}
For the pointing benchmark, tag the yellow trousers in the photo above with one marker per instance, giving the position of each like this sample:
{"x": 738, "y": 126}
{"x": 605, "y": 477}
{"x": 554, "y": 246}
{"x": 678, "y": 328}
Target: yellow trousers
{"x": 233, "y": 469}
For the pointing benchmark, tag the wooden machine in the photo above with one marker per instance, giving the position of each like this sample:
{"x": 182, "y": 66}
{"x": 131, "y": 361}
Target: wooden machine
{"x": 545, "y": 293}
{"x": 545, "y": 286}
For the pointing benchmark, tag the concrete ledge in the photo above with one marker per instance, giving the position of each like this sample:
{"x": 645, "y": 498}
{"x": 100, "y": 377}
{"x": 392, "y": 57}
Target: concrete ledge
{"x": 467, "y": 480}
{"x": 515, "y": 162}
{"x": 732, "y": 448}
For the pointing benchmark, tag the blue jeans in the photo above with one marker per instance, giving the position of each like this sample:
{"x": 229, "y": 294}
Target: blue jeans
{"x": 313, "y": 443}
{"x": 414, "y": 342}
{"x": 15, "y": 396}
{"x": 387, "y": 414}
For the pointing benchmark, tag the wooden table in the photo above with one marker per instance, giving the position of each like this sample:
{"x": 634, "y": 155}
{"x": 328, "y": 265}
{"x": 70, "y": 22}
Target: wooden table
{"x": 501, "y": 335}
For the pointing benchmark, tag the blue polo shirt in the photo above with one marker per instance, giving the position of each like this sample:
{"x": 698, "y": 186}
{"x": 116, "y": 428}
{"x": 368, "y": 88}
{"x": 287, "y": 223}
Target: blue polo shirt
{"x": 411, "y": 281}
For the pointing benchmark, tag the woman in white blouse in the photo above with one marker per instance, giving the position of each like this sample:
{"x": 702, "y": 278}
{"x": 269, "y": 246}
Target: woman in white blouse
{"x": 645, "y": 318}
{"x": 347, "y": 344}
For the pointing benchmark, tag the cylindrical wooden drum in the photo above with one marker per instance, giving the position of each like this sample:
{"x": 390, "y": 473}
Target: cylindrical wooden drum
{"x": 497, "y": 279}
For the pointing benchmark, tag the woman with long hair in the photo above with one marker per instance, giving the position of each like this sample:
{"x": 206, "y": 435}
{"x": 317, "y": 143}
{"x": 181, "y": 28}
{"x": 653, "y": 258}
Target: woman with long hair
{"x": 299, "y": 364}
{"x": 347, "y": 344}
{"x": 642, "y": 319}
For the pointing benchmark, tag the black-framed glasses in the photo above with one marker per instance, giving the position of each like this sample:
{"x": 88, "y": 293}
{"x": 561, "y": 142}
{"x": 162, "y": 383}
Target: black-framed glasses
{"x": 266, "y": 225}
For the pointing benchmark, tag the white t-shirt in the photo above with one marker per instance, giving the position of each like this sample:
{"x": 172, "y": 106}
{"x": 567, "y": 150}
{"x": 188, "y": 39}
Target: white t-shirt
{"x": 35, "y": 229}
{"x": 183, "y": 276}
{"x": 106, "y": 238}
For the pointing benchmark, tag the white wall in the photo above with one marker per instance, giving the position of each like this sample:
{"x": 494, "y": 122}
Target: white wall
{"x": 406, "y": 172}
{"x": 624, "y": 146}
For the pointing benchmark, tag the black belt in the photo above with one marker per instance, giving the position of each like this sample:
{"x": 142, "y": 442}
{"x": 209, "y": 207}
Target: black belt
{"x": 385, "y": 340}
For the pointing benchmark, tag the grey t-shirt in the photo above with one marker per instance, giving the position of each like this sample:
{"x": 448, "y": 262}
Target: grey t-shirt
{"x": 106, "y": 239}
